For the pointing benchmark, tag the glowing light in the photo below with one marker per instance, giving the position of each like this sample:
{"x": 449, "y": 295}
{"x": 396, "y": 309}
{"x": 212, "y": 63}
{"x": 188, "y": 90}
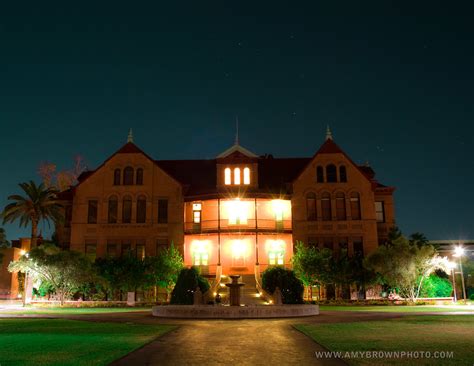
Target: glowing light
{"x": 278, "y": 209}
{"x": 237, "y": 211}
{"x": 200, "y": 250}
{"x": 222, "y": 285}
{"x": 258, "y": 295}
{"x": 215, "y": 293}
{"x": 227, "y": 176}
{"x": 451, "y": 265}
{"x": 22, "y": 252}
{"x": 197, "y": 206}
{"x": 276, "y": 251}
{"x": 239, "y": 249}
{"x": 458, "y": 251}
{"x": 246, "y": 176}
{"x": 237, "y": 176}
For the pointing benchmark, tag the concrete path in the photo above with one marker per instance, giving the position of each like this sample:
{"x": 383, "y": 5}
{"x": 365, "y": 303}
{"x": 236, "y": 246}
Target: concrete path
{"x": 230, "y": 342}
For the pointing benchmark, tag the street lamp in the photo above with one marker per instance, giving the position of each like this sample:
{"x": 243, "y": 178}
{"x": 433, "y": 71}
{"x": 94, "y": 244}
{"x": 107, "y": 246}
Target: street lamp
{"x": 459, "y": 252}
{"x": 452, "y": 266}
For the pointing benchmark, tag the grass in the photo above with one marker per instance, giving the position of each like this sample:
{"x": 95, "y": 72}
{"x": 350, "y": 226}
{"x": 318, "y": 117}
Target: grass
{"x": 399, "y": 309}
{"x": 412, "y": 333}
{"x": 70, "y": 311}
{"x": 70, "y": 342}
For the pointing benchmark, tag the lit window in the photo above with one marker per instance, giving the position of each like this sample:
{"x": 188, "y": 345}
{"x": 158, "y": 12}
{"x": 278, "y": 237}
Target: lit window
{"x": 380, "y": 211}
{"x": 276, "y": 252}
{"x": 237, "y": 213}
{"x": 200, "y": 252}
{"x": 246, "y": 176}
{"x": 278, "y": 208}
{"x": 227, "y": 176}
{"x": 197, "y": 213}
{"x": 355, "y": 206}
{"x": 237, "y": 176}
{"x": 239, "y": 253}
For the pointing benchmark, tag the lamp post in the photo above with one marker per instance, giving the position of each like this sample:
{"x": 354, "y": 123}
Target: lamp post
{"x": 459, "y": 252}
{"x": 452, "y": 266}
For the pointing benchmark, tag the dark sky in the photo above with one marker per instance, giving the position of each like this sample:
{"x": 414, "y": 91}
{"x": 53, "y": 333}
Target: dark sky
{"x": 395, "y": 87}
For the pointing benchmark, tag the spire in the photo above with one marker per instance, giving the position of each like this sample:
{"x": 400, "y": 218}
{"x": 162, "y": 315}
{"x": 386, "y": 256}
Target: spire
{"x": 236, "y": 131}
{"x": 328, "y": 133}
{"x": 130, "y": 136}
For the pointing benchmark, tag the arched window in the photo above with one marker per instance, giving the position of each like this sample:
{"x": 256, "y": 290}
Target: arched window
{"x": 128, "y": 176}
{"x": 139, "y": 180}
{"x": 355, "y": 206}
{"x": 116, "y": 177}
{"x": 342, "y": 174}
{"x": 113, "y": 210}
{"x": 127, "y": 210}
{"x": 237, "y": 176}
{"x": 311, "y": 212}
{"x": 227, "y": 176}
{"x": 341, "y": 206}
{"x": 326, "y": 207}
{"x": 141, "y": 209}
{"x": 246, "y": 176}
{"x": 319, "y": 174}
{"x": 331, "y": 173}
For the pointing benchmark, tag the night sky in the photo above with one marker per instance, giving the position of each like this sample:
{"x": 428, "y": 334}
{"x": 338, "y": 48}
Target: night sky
{"x": 396, "y": 89}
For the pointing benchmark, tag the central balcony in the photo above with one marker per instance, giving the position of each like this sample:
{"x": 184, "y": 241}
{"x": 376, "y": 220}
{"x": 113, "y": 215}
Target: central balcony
{"x": 249, "y": 225}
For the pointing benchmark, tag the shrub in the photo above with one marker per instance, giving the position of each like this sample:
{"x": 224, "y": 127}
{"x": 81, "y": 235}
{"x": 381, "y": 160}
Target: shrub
{"x": 471, "y": 297}
{"x": 435, "y": 286}
{"x": 290, "y": 286}
{"x": 188, "y": 280}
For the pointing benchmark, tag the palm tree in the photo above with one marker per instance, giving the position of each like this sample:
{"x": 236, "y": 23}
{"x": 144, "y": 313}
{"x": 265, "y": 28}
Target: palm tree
{"x": 38, "y": 204}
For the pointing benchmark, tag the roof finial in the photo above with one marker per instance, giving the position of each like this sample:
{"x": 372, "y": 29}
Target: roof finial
{"x": 130, "y": 136}
{"x": 236, "y": 130}
{"x": 328, "y": 133}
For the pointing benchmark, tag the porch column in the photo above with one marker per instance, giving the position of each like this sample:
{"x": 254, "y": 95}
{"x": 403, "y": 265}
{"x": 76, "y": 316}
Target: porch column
{"x": 256, "y": 235}
{"x": 218, "y": 231}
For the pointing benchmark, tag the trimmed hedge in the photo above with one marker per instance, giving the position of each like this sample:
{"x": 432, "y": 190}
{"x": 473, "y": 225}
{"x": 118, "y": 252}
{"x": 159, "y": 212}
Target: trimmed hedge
{"x": 188, "y": 281}
{"x": 290, "y": 286}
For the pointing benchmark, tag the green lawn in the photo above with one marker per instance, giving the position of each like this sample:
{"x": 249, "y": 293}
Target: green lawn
{"x": 412, "y": 333}
{"x": 70, "y": 342}
{"x": 399, "y": 309}
{"x": 71, "y": 311}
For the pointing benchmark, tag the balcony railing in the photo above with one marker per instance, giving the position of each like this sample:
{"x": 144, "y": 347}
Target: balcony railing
{"x": 248, "y": 225}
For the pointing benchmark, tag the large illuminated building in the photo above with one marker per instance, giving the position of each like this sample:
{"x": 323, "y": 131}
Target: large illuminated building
{"x": 236, "y": 214}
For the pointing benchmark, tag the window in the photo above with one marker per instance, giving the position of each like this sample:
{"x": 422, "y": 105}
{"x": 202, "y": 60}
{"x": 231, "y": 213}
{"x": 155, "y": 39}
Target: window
{"x": 331, "y": 173}
{"x": 319, "y": 174}
{"x": 276, "y": 253}
{"x": 111, "y": 249}
{"x": 358, "y": 247}
{"x": 311, "y": 212}
{"x": 227, "y": 176}
{"x": 91, "y": 251}
{"x": 343, "y": 247}
{"x": 355, "y": 206}
{"x": 380, "y": 211}
{"x": 126, "y": 247}
{"x": 141, "y": 209}
{"x": 161, "y": 245}
{"x": 246, "y": 176}
{"x": 127, "y": 210}
{"x": 197, "y": 207}
{"x": 326, "y": 207}
{"x": 140, "y": 249}
{"x": 116, "y": 177}
{"x": 139, "y": 180}
{"x": 237, "y": 212}
{"x": 113, "y": 210}
{"x": 162, "y": 211}
{"x": 237, "y": 176}
{"x": 128, "y": 176}
{"x": 340, "y": 206}
{"x": 342, "y": 174}
{"x": 92, "y": 212}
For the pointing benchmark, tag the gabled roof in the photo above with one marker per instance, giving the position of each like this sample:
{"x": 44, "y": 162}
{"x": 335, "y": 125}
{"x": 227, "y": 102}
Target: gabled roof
{"x": 236, "y": 148}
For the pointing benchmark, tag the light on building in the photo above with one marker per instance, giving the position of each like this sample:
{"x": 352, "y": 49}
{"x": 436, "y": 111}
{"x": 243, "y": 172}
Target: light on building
{"x": 237, "y": 176}
{"x": 458, "y": 251}
{"x": 197, "y": 206}
{"x": 278, "y": 209}
{"x": 246, "y": 176}
{"x": 227, "y": 176}
{"x": 239, "y": 249}
{"x": 237, "y": 212}
{"x": 22, "y": 252}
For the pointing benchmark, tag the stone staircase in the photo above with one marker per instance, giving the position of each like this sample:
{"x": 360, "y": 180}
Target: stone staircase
{"x": 248, "y": 294}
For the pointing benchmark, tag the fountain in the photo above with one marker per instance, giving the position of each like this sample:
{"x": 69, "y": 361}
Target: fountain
{"x": 234, "y": 290}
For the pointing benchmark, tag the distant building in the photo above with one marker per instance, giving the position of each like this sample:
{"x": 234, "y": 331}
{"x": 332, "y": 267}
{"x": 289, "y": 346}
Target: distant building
{"x": 236, "y": 214}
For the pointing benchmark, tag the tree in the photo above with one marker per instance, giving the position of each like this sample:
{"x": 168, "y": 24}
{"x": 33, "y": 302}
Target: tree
{"x": 435, "y": 286}
{"x": 290, "y": 286}
{"x": 188, "y": 281}
{"x": 63, "y": 179}
{"x": 405, "y": 266}
{"x": 38, "y": 204}
{"x": 418, "y": 239}
{"x": 165, "y": 268}
{"x": 65, "y": 271}
{"x": 312, "y": 266}
{"x": 4, "y": 243}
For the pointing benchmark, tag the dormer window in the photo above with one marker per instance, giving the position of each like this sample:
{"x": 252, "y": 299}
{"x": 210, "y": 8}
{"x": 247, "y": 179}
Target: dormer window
{"x": 246, "y": 176}
{"x": 227, "y": 177}
{"x": 236, "y": 176}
